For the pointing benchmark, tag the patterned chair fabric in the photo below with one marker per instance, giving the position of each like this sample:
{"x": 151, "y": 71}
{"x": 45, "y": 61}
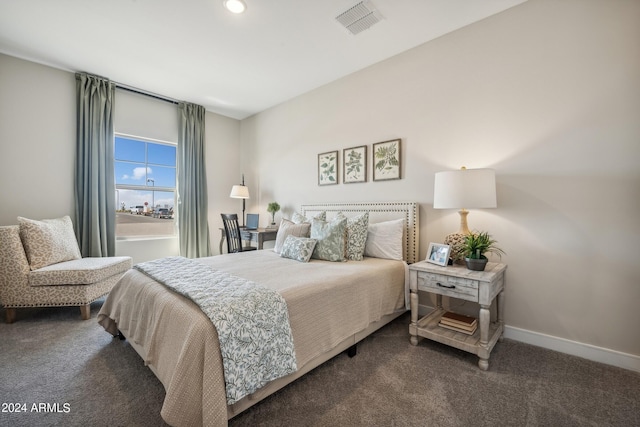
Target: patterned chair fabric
{"x": 77, "y": 282}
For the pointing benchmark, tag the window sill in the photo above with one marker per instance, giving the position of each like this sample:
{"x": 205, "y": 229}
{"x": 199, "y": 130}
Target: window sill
{"x": 141, "y": 238}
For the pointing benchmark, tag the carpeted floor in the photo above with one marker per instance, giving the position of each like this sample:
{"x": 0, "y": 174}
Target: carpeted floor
{"x": 85, "y": 377}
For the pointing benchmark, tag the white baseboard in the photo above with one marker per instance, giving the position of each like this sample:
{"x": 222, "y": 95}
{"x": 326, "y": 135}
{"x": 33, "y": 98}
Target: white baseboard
{"x": 574, "y": 348}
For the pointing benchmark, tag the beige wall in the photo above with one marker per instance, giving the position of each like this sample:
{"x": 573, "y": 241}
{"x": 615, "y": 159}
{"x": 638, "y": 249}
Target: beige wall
{"x": 37, "y": 140}
{"x": 548, "y": 94}
{"x": 37, "y": 149}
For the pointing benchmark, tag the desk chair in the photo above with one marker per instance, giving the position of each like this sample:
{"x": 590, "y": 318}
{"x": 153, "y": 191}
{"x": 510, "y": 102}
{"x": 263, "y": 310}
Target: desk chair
{"x": 233, "y": 234}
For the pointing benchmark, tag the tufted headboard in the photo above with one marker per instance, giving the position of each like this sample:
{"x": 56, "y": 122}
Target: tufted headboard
{"x": 378, "y": 212}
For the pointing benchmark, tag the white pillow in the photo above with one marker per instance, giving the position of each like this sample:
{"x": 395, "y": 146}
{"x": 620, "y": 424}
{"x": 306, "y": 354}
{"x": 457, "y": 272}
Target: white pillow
{"x": 49, "y": 241}
{"x": 384, "y": 240}
{"x": 288, "y": 228}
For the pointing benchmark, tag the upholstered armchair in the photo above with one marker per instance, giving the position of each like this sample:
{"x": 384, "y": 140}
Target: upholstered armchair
{"x": 41, "y": 266}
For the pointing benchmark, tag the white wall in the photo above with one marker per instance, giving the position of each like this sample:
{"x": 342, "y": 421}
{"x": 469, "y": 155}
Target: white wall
{"x": 548, "y": 94}
{"x": 223, "y": 171}
{"x": 38, "y": 139}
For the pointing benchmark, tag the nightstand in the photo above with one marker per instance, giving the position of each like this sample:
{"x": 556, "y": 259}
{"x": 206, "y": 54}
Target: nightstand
{"x": 459, "y": 282}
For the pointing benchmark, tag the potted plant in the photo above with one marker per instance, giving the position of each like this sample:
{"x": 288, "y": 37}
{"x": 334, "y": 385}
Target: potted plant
{"x": 476, "y": 245}
{"x": 272, "y": 208}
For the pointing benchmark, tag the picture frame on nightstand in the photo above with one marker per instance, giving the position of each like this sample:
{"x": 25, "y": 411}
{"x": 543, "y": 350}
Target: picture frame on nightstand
{"x": 438, "y": 254}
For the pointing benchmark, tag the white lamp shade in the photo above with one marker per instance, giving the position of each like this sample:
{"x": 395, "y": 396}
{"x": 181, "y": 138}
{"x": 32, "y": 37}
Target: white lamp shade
{"x": 465, "y": 188}
{"x": 239, "y": 192}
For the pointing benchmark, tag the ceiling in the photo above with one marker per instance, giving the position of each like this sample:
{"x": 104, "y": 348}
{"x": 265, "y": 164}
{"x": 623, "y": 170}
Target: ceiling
{"x": 234, "y": 65}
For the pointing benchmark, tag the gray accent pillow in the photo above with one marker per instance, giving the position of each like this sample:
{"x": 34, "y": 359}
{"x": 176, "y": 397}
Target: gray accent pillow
{"x": 356, "y": 235}
{"x": 298, "y": 248}
{"x": 331, "y": 237}
{"x": 49, "y": 241}
{"x": 288, "y": 228}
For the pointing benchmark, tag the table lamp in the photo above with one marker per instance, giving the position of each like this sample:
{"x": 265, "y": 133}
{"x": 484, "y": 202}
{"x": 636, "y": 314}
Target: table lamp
{"x": 462, "y": 189}
{"x": 240, "y": 192}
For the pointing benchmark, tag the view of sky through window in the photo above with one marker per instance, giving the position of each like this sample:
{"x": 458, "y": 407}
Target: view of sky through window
{"x": 145, "y": 173}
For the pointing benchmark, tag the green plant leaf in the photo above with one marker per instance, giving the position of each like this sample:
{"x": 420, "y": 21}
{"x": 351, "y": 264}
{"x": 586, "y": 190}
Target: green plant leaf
{"x": 480, "y": 243}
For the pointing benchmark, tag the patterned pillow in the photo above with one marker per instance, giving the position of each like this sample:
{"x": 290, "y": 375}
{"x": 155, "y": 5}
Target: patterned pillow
{"x": 288, "y": 228}
{"x": 298, "y": 248}
{"x": 49, "y": 241}
{"x": 331, "y": 237}
{"x": 356, "y": 235}
{"x": 299, "y": 218}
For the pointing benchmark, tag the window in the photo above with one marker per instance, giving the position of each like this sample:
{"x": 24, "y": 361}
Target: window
{"x": 145, "y": 172}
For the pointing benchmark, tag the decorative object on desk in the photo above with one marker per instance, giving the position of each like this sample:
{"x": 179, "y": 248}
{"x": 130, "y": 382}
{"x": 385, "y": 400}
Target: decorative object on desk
{"x": 355, "y": 164}
{"x": 386, "y": 160}
{"x": 272, "y": 208}
{"x": 462, "y": 189}
{"x": 328, "y": 168}
{"x": 438, "y": 253}
{"x": 240, "y": 192}
{"x": 475, "y": 246}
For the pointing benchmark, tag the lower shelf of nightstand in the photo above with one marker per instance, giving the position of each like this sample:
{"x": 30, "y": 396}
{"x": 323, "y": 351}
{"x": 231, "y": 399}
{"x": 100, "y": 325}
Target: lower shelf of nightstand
{"x": 427, "y": 327}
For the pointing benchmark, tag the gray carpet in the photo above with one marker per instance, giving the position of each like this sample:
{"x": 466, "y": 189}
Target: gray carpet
{"x": 50, "y": 356}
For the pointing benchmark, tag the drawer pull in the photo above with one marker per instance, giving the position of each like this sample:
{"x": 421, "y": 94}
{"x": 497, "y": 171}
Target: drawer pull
{"x": 446, "y": 286}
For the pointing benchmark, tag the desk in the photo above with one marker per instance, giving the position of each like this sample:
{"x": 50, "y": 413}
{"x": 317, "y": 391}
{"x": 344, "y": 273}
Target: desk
{"x": 259, "y": 236}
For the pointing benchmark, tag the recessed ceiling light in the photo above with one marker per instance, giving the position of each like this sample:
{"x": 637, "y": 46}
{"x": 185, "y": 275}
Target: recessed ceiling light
{"x": 235, "y": 6}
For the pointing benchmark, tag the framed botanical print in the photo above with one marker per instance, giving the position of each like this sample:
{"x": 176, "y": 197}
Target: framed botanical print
{"x": 354, "y": 168}
{"x": 328, "y": 168}
{"x": 386, "y": 160}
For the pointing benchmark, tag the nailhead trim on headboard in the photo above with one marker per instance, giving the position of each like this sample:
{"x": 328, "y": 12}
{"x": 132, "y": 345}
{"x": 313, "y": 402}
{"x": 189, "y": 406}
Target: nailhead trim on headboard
{"x": 408, "y": 210}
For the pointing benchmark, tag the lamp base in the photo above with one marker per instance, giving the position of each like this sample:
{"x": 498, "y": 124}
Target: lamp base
{"x": 456, "y": 241}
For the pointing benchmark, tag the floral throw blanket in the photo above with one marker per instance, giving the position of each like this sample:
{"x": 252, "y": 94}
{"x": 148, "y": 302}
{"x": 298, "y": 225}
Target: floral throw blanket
{"x": 252, "y": 321}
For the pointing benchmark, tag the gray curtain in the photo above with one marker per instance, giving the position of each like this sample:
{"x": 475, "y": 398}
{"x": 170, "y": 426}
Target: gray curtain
{"x": 95, "y": 184}
{"x": 193, "y": 227}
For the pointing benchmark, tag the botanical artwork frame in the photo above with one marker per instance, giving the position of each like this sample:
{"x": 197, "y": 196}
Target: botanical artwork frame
{"x": 328, "y": 168}
{"x": 354, "y": 164}
{"x": 387, "y": 160}
{"x": 438, "y": 254}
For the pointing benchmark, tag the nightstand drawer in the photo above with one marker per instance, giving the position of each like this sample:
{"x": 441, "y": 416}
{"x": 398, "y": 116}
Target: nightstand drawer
{"x": 456, "y": 287}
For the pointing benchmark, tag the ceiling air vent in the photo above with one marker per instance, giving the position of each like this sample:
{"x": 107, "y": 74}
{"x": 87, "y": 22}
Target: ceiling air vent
{"x": 359, "y": 17}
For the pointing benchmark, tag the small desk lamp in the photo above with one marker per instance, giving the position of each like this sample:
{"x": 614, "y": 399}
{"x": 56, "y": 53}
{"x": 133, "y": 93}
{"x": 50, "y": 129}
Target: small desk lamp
{"x": 240, "y": 192}
{"x": 461, "y": 189}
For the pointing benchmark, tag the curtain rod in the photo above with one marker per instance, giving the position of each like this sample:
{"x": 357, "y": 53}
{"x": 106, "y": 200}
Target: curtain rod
{"x": 142, "y": 92}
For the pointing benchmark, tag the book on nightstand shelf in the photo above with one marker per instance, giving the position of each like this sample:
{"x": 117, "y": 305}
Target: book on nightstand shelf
{"x": 459, "y": 322}
{"x": 453, "y": 328}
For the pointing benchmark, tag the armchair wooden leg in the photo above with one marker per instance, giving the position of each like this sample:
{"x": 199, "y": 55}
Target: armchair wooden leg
{"x": 11, "y": 314}
{"x": 85, "y": 311}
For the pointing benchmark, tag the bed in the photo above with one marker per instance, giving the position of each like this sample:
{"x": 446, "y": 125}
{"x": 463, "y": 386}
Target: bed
{"x": 331, "y": 306}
